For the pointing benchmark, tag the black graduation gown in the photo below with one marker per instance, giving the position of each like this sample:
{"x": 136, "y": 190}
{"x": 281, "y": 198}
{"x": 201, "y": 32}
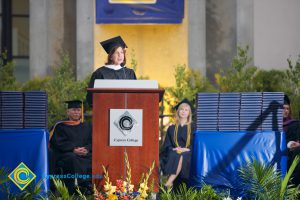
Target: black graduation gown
{"x": 65, "y": 138}
{"x": 107, "y": 73}
{"x": 287, "y": 122}
{"x": 293, "y": 134}
{"x": 170, "y": 158}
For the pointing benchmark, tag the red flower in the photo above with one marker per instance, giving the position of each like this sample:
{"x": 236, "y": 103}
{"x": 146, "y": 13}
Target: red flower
{"x": 101, "y": 197}
{"x": 119, "y": 185}
{"x": 124, "y": 198}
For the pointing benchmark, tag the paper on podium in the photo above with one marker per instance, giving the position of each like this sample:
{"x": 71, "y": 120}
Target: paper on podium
{"x": 134, "y": 84}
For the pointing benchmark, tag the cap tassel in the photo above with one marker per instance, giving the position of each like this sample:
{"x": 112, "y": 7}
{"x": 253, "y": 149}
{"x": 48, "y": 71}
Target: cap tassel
{"x": 82, "y": 113}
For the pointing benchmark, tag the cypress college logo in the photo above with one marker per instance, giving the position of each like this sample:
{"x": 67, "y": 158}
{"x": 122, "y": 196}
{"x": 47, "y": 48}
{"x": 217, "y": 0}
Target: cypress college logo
{"x": 22, "y": 176}
{"x": 126, "y": 127}
{"x": 125, "y": 123}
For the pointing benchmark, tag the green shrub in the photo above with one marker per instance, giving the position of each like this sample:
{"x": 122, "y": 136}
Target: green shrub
{"x": 292, "y": 85}
{"x": 239, "y": 77}
{"x": 270, "y": 81}
{"x": 185, "y": 193}
{"x": 62, "y": 87}
{"x": 36, "y": 84}
{"x": 188, "y": 83}
{"x": 7, "y": 78}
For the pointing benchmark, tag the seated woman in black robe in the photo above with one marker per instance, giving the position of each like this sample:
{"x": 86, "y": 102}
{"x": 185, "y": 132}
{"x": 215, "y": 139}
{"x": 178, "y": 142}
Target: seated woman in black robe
{"x": 177, "y": 145}
{"x": 115, "y": 67}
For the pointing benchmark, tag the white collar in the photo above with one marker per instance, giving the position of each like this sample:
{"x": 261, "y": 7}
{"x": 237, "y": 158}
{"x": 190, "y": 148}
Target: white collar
{"x": 114, "y": 67}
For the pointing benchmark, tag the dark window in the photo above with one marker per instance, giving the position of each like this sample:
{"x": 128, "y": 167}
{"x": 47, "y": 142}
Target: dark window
{"x": 15, "y": 35}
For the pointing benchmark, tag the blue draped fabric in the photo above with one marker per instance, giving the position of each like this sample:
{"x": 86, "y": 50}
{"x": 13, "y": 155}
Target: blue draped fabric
{"x": 163, "y": 11}
{"x": 217, "y": 156}
{"x": 29, "y": 146}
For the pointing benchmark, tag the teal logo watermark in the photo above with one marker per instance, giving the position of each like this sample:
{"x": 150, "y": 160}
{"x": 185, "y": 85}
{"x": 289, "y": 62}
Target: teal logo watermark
{"x": 22, "y": 176}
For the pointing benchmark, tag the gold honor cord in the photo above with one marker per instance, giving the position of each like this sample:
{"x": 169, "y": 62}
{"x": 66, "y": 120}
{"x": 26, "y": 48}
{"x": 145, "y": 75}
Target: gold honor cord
{"x": 188, "y": 140}
{"x": 82, "y": 112}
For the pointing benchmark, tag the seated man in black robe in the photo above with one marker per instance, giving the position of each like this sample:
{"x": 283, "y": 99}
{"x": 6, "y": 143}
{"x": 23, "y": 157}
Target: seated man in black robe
{"x": 71, "y": 143}
{"x": 115, "y": 66}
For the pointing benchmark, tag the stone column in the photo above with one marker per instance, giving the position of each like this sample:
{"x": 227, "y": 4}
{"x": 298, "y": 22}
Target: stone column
{"x": 56, "y": 24}
{"x": 38, "y": 20}
{"x": 85, "y": 37}
{"x": 197, "y": 35}
{"x": 220, "y": 35}
{"x": 245, "y": 19}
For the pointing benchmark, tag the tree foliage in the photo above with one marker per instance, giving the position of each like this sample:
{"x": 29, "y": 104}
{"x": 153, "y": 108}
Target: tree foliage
{"x": 62, "y": 87}
{"x": 188, "y": 83}
{"x": 240, "y": 76}
{"x": 7, "y": 78}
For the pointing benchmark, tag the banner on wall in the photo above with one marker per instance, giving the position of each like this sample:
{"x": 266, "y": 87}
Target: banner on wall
{"x": 139, "y": 11}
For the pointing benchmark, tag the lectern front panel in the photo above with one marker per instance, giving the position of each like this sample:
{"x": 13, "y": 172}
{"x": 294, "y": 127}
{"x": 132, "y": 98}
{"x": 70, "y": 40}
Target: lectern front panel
{"x": 112, "y": 157}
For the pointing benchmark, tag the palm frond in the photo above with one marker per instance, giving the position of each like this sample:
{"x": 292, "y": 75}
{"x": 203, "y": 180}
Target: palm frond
{"x": 187, "y": 193}
{"x": 33, "y": 191}
{"x": 62, "y": 190}
{"x": 291, "y": 191}
{"x": 261, "y": 181}
{"x": 4, "y": 175}
{"x": 207, "y": 193}
{"x": 166, "y": 193}
{"x": 80, "y": 194}
{"x": 4, "y": 187}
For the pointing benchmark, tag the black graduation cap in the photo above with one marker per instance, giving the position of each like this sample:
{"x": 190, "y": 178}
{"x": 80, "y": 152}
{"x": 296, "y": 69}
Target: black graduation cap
{"x": 286, "y": 100}
{"x": 74, "y": 104}
{"x": 112, "y": 42}
{"x": 184, "y": 101}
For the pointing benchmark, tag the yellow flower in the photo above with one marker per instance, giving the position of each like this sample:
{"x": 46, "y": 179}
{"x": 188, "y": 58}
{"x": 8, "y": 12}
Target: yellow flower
{"x": 109, "y": 188}
{"x": 143, "y": 194}
{"x": 112, "y": 197}
{"x": 125, "y": 186}
{"x": 143, "y": 186}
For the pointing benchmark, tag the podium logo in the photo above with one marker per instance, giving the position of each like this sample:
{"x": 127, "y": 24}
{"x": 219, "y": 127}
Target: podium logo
{"x": 22, "y": 176}
{"x": 125, "y": 123}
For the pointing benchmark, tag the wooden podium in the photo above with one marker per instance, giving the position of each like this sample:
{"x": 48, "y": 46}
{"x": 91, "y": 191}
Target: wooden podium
{"x": 112, "y": 157}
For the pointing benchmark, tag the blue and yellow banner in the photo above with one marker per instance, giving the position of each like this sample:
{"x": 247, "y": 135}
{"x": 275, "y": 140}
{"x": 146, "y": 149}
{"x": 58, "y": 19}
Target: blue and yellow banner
{"x": 133, "y": 1}
{"x": 139, "y": 11}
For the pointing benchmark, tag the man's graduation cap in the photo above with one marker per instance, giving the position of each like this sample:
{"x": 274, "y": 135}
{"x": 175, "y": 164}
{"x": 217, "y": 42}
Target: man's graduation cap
{"x": 184, "y": 101}
{"x": 74, "y": 104}
{"x": 112, "y": 42}
{"x": 286, "y": 100}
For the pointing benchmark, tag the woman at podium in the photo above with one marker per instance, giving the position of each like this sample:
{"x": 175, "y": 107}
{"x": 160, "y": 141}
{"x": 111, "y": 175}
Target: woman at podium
{"x": 114, "y": 67}
{"x": 176, "y": 156}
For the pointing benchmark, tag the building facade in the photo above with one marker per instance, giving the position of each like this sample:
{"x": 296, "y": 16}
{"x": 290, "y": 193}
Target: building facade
{"x": 36, "y": 33}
